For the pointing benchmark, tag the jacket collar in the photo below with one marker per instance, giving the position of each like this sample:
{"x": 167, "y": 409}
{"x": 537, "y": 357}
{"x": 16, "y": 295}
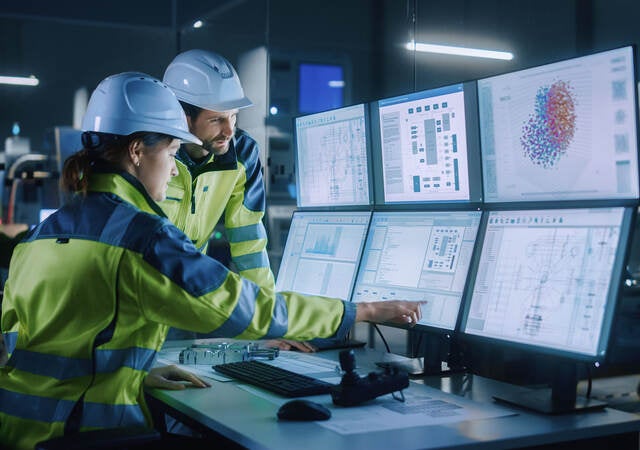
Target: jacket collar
{"x": 106, "y": 178}
{"x": 228, "y": 161}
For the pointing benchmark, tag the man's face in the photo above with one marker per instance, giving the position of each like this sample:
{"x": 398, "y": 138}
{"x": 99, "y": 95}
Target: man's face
{"x": 215, "y": 129}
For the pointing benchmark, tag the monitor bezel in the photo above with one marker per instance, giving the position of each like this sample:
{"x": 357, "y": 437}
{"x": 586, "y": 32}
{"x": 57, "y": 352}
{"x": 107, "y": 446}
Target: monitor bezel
{"x": 423, "y": 327}
{"x": 472, "y": 125}
{"x": 567, "y": 202}
{"x": 364, "y": 213}
{"x": 615, "y": 290}
{"x": 331, "y": 205}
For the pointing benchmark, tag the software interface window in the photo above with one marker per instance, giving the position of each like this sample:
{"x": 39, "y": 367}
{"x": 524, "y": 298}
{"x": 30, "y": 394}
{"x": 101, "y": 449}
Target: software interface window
{"x": 332, "y": 161}
{"x": 419, "y": 256}
{"x": 322, "y": 253}
{"x": 424, "y": 146}
{"x": 549, "y": 278}
{"x": 563, "y": 131}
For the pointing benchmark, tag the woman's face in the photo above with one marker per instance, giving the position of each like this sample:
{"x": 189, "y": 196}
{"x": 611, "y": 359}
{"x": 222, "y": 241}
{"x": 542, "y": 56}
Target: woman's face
{"x": 155, "y": 166}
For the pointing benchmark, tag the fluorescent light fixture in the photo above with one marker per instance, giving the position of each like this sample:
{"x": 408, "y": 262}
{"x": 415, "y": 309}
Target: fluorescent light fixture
{"x": 460, "y": 51}
{"x": 198, "y": 24}
{"x": 22, "y": 81}
{"x": 336, "y": 83}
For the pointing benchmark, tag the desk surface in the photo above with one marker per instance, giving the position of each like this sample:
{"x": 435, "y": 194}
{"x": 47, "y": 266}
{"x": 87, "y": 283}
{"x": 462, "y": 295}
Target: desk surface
{"x": 250, "y": 419}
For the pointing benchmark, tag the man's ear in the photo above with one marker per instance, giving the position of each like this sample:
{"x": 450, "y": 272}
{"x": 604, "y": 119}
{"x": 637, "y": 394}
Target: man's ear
{"x": 189, "y": 122}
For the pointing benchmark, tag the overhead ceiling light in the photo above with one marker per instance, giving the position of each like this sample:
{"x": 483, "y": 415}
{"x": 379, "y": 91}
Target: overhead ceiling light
{"x": 460, "y": 51}
{"x": 22, "y": 81}
{"x": 198, "y": 24}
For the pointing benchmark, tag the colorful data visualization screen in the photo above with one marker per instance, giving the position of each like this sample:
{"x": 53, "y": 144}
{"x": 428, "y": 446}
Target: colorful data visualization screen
{"x": 427, "y": 147}
{"x": 549, "y": 278}
{"x": 563, "y": 131}
{"x": 332, "y": 158}
{"x": 419, "y": 255}
{"x": 322, "y": 252}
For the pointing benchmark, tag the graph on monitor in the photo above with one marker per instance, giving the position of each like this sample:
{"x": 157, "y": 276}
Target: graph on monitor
{"x": 549, "y": 278}
{"x": 562, "y": 131}
{"x": 426, "y": 146}
{"x": 419, "y": 255}
{"x": 332, "y": 158}
{"x": 322, "y": 252}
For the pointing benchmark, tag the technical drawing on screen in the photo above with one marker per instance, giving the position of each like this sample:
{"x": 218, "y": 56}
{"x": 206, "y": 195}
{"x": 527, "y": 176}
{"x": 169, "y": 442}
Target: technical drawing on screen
{"x": 548, "y": 279}
{"x": 419, "y": 255}
{"x": 322, "y": 252}
{"x": 332, "y": 158}
{"x": 562, "y": 131}
{"x": 426, "y": 146}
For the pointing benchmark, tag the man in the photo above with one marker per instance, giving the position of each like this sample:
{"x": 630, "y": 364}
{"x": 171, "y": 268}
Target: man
{"x": 223, "y": 177}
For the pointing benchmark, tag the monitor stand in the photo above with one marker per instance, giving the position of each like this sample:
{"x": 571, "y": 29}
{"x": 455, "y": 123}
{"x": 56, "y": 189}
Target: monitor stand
{"x": 560, "y": 398}
{"x": 432, "y": 363}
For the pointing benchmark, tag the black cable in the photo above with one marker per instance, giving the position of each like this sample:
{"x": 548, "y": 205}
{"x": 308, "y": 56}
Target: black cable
{"x": 384, "y": 341}
{"x": 589, "y": 381}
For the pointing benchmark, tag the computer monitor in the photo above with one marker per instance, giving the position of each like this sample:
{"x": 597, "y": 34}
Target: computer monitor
{"x": 562, "y": 132}
{"x": 426, "y": 147}
{"x": 546, "y": 281}
{"x": 332, "y": 158}
{"x": 419, "y": 255}
{"x": 320, "y": 87}
{"x": 322, "y": 252}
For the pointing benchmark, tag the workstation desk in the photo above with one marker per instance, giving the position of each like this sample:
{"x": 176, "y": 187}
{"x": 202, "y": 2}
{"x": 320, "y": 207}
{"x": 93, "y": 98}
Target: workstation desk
{"x": 249, "y": 419}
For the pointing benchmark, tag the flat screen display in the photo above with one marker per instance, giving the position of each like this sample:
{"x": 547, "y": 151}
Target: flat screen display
{"x": 562, "y": 131}
{"x": 322, "y": 253}
{"x": 419, "y": 255}
{"x": 548, "y": 278}
{"x": 426, "y": 147}
{"x": 332, "y": 158}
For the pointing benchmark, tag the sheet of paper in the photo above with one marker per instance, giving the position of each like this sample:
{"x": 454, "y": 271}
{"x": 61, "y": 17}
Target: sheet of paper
{"x": 423, "y": 406}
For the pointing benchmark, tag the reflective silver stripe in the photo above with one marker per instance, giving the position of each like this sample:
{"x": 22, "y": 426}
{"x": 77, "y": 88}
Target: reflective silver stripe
{"x": 58, "y": 367}
{"x": 280, "y": 318}
{"x": 44, "y": 409}
{"x": 138, "y": 358}
{"x": 10, "y": 340}
{"x": 251, "y": 261}
{"x": 33, "y": 407}
{"x": 242, "y": 314}
{"x": 246, "y": 233}
{"x": 63, "y": 368}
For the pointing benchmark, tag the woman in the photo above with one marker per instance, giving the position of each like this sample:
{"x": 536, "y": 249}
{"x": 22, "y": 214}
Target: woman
{"x": 93, "y": 289}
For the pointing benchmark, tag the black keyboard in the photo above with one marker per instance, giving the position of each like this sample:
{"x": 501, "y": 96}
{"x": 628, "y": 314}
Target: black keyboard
{"x": 274, "y": 379}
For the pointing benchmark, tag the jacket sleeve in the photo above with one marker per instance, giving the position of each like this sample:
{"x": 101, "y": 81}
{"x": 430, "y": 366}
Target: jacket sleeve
{"x": 244, "y": 215}
{"x": 174, "y": 286}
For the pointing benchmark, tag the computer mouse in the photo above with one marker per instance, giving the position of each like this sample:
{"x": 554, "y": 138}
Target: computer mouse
{"x": 303, "y": 410}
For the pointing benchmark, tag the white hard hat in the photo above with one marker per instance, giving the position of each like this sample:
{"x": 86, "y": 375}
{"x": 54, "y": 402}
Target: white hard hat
{"x": 207, "y": 80}
{"x": 130, "y": 102}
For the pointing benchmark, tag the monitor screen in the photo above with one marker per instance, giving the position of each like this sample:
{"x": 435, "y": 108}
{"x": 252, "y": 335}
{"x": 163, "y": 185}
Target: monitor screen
{"x": 320, "y": 87}
{"x": 426, "y": 147}
{"x": 548, "y": 279}
{"x": 332, "y": 158}
{"x": 322, "y": 253}
{"x": 419, "y": 255}
{"x": 562, "y": 131}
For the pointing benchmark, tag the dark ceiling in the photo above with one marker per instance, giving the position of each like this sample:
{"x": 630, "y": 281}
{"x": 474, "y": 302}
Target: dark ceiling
{"x": 119, "y": 13}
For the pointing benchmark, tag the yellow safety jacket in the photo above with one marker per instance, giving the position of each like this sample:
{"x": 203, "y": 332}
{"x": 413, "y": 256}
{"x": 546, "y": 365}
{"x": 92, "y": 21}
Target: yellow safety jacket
{"x": 232, "y": 185}
{"x": 90, "y": 296}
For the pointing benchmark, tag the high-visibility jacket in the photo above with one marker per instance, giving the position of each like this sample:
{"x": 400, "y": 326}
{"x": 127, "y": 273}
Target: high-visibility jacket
{"x": 230, "y": 184}
{"x": 90, "y": 295}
